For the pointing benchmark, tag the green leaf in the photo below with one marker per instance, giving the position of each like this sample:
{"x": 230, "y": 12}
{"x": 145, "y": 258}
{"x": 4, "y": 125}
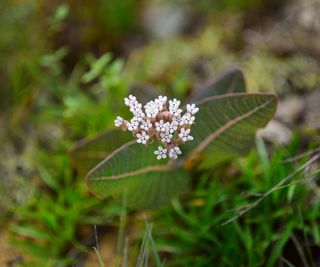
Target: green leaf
{"x": 231, "y": 81}
{"x": 30, "y": 231}
{"x": 47, "y": 178}
{"x": 38, "y": 251}
{"x": 89, "y": 152}
{"x": 96, "y": 68}
{"x": 61, "y": 12}
{"x": 226, "y": 125}
{"x": 281, "y": 242}
{"x": 134, "y": 170}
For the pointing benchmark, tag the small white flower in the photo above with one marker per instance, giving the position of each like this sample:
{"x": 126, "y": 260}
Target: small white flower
{"x": 151, "y": 109}
{"x": 130, "y": 100}
{"x": 185, "y": 135}
{"x": 162, "y": 126}
{"x": 161, "y": 153}
{"x": 149, "y": 105}
{"x": 176, "y": 121}
{"x": 136, "y": 108}
{"x": 174, "y": 107}
{"x": 166, "y": 137}
{"x": 146, "y": 125}
{"x": 133, "y": 124}
{"x": 193, "y": 109}
{"x": 152, "y": 113}
{"x": 118, "y": 122}
{"x": 139, "y": 116}
{"x": 173, "y": 126}
{"x": 187, "y": 119}
{"x": 174, "y": 152}
{"x": 177, "y": 113}
{"x": 142, "y": 138}
{"x": 161, "y": 100}
{"x": 159, "y": 103}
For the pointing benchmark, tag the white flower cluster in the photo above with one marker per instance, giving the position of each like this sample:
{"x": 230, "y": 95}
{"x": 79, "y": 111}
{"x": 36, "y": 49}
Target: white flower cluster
{"x": 160, "y": 119}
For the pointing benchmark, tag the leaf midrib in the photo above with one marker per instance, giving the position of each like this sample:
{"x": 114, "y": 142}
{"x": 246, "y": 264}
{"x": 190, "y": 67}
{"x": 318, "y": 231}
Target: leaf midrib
{"x": 154, "y": 168}
{"x": 230, "y": 123}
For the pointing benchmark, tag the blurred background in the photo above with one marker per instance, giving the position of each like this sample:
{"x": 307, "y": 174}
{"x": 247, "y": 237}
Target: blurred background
{"x": 65, "y": 67}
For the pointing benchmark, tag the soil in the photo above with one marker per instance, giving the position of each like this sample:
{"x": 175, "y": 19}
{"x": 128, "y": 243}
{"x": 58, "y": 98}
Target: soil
{"x": 9, "y": 255}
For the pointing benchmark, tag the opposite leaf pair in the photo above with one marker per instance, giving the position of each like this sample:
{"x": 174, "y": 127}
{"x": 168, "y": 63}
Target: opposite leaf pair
{"x": 227, "y": 120}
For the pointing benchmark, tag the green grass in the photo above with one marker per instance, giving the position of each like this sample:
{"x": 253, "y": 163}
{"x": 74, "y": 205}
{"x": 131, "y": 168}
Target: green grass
{"x": 197, "y": 230}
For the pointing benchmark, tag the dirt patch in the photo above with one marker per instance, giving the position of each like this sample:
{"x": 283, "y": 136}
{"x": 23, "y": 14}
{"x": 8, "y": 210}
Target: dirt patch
{"x": 8, "y": 253}
{"x": 107, "y": 249}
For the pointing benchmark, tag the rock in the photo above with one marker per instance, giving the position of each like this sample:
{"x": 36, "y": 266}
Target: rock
{"x": 290, "y": 109}
{"x": 312, "y": 110}
{"x": 276, "y": 132}
{"x": 164, "y": 21}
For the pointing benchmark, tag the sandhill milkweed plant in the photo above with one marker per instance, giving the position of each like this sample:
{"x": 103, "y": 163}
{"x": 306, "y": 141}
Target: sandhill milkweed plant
{"x": 218, "y": 123}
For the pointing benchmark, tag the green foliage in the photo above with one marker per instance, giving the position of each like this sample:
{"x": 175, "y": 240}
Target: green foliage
{"x": 147, "y": 245}
{"x": 89, "y": 152}
{"x": 57, "y": 19}
{"x": 73, "y": 103}
{"x": 147, "y": 252}
{"x": 19, "y": 52}
{"x": 226, "y": 125}
{"x": 193, "y": 231}
{"x": 234, "y": 5}
{"x": 106, "y": 87}
{"x": 133, "y": 170}
{"x": 53, "y": 61}
{"x": 222, "y": 117}
{"x": 122, "y": 16}
{"x": 48, "y": 225}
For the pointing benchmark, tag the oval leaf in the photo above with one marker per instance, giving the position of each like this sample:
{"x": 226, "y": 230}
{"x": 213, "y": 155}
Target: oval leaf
{"x": 87, "y": 153}
{"x": 225, "y": 126}
{"x": 134, "y": 170}
{"x": 231, "y": 81}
